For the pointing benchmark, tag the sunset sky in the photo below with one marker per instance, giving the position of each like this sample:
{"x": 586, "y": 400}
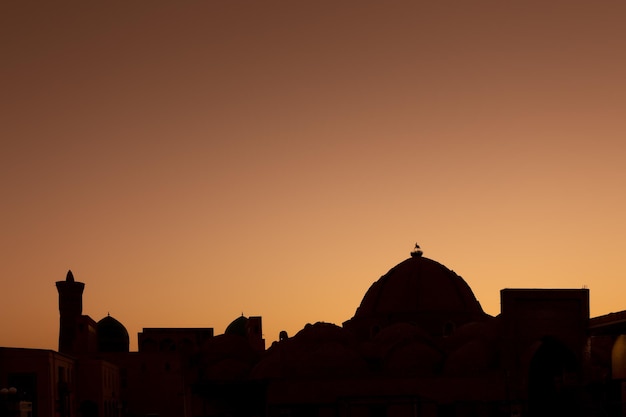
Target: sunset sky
{"x": 191, "y": 161}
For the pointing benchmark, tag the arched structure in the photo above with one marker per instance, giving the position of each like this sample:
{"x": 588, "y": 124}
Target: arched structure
{"x": 553, "y": 380}
{"x": 418, "y": 291}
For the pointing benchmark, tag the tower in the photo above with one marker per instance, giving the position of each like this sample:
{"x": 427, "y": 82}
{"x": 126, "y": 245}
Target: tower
{"x": 255, "y": 333}
{"x": 70, "y": 310}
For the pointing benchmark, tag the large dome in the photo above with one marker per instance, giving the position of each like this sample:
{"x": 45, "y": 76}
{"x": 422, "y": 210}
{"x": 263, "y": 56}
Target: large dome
{"x": 418, "y": 291}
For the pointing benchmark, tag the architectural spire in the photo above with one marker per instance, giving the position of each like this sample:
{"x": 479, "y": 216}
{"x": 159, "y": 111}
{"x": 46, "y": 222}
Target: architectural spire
{"x": 417, "y": 252}
{"x": 70, "y": 310}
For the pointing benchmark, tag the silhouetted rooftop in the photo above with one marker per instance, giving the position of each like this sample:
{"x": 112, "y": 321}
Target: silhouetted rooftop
{"x": 112, "y": 336}
{"x": 419, "y": 285}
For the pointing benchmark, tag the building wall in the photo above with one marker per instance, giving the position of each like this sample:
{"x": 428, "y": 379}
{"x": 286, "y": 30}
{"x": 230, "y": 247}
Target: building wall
{"x": 537, "y": 324}
{"x": 44, "y": 377}
{"x": 99, "y": 388}
{"x": 87, "y": 336}
{"x": 151, "y": 384}
{"x": 183, "y": 340}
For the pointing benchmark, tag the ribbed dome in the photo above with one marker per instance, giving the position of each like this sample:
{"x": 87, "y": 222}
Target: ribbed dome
{"x": 112, "y": 336}
{"x": 420, "y": 291}
{"x": 419, "y": 285}
{"x": 238, "y": 327}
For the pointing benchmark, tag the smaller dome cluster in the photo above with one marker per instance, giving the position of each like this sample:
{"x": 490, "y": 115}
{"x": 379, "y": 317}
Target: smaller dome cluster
{"x": 400, "y": 350}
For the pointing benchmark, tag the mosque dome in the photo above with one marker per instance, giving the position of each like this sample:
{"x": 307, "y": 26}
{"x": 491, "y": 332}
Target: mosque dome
{"x": 418, "y": 291}
{"x": 112, "y": 336}
{"x": 238, "y": 327}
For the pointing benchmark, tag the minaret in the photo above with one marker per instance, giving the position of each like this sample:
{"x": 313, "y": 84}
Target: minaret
{"x": 70, "y": 309}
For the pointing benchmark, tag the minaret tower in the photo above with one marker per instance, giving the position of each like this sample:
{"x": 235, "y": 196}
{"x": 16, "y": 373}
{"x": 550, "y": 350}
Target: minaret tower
{"x": 70, "y": 309}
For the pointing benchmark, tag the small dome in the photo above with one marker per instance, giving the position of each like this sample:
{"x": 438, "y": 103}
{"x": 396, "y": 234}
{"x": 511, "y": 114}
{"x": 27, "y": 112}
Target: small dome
{"x": 413, "y": 358}
{"x": 112, "y": 336}
{"x": 238, "y": 327}
{"x": 473, "y": 357}
{"x": 399, "y": 333}
{"x": 320, "y": 349}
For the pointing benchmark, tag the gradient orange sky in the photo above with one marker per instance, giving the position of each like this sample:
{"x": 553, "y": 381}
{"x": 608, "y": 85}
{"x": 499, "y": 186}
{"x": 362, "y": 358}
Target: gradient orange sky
{"x": 192, "y": 161}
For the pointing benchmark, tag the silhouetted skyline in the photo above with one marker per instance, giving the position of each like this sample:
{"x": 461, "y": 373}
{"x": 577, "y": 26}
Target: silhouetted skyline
{"x": 419, "y": 343}
{"x": 193, "y": 161}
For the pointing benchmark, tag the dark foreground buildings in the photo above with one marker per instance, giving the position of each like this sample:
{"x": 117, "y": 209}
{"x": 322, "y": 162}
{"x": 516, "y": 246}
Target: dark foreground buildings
{"x": 419, "y": 344}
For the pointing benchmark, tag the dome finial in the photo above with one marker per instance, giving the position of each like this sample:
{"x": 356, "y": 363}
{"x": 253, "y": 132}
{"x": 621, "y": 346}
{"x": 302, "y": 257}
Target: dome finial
{"x": 69, "y": 277}
{"x": 417, "y": 252}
